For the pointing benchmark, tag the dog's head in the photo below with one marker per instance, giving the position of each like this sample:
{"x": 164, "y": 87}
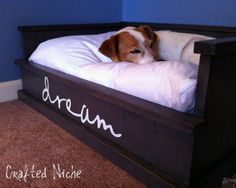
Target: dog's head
{"x": 136, "y": 45}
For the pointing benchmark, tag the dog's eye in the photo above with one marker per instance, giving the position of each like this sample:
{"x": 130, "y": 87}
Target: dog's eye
{"x": 135, "y": 51}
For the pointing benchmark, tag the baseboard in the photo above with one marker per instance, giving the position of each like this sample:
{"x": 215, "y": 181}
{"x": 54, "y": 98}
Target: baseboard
{"x": 8, "y": 90}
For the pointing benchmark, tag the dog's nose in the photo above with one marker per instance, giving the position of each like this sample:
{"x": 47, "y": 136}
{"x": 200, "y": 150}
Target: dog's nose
{"x": 146, "y": 59}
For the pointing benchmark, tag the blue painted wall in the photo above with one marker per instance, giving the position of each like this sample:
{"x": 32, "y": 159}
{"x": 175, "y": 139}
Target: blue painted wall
{"x": 35, "y": 12}
{"x": 203, "y": 12}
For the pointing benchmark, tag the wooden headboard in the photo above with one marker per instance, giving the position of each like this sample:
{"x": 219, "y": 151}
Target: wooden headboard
{"x": 42, "y": 33}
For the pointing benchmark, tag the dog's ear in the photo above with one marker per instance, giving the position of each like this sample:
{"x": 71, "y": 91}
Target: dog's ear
{"x": 147, "y": 30}
{"x": 110, "y": 48}
{"x": 154, "y": 39}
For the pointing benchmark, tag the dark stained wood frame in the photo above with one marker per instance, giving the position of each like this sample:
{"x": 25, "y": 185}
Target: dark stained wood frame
{"x": 160, "y": 146}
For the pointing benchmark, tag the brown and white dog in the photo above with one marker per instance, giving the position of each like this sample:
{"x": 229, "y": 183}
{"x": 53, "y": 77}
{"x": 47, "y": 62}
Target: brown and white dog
{"x": 136, "y": 45}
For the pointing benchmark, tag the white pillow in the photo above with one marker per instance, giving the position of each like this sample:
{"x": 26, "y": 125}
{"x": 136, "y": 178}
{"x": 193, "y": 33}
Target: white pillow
{"x": 170, "y": 83}
{"x": 179, "y": 46}
{"x": 71, "y": 50}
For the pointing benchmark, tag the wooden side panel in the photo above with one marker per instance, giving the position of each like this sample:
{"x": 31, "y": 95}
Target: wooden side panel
{"x": 149, "y": 139}
{"x": 217, "y": 139}
{"x": 160, "y": 145}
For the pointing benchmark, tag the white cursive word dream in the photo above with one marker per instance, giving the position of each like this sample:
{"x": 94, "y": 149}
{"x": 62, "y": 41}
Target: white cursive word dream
{"x": 84, "y": 113}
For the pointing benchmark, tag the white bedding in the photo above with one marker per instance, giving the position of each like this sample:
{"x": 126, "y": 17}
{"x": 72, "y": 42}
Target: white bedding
{"x": 169, "y": 83}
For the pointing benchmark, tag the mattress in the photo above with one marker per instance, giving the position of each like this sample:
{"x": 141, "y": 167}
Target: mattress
{"x": 170, "y": 83}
